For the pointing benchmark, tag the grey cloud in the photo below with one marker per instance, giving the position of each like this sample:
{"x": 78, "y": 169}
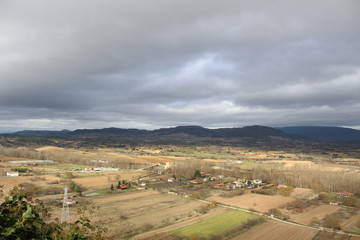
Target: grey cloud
{"x": 165, "y": 63}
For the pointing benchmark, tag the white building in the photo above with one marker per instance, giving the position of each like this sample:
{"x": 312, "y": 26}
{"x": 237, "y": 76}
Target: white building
{"x": 12, "y": 174}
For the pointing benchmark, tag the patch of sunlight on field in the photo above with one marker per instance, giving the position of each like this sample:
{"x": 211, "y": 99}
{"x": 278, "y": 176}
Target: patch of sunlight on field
{"x": 214, "y": 225}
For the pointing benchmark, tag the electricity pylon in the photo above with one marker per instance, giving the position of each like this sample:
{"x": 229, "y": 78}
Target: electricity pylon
{"x": 65, "y": 213}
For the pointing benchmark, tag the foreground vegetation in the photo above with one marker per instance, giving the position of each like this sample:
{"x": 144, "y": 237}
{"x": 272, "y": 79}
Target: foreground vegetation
{"x": 22, "y": 218}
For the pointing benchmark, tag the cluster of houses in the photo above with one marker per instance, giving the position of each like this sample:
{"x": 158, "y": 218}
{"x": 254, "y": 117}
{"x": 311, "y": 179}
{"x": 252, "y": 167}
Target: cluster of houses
{"x": 252, "y": 183}
{"x": 344, "y": 194}
{"x": 97, "y": 169}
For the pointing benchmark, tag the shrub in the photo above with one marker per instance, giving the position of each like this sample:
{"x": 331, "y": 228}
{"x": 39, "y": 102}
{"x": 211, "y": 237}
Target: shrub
{"x": 23, "y": 218}
{"x": 20, "y": 170}
{"x": 332, "y": 222}
{"x": 285, "y": 191}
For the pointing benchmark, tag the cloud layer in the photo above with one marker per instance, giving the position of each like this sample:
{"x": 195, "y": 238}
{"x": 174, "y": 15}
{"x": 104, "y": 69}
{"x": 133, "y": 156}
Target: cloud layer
{"x": 150, "y": 64}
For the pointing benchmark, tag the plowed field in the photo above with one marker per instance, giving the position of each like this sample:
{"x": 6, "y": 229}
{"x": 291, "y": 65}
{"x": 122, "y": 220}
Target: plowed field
{"x": 319, "y": 212}
{"x": 261, "y": 203}
{"x": 273, "y": 230}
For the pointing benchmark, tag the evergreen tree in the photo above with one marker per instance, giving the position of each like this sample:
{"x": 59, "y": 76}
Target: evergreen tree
{"x": 197, "y": 173}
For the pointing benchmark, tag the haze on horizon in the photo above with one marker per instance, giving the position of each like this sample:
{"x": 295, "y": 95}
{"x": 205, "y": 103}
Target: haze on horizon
{"x": 151, "y": 64}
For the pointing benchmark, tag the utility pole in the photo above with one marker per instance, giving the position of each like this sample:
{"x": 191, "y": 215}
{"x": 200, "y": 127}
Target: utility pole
{"x": 65, "y": 213}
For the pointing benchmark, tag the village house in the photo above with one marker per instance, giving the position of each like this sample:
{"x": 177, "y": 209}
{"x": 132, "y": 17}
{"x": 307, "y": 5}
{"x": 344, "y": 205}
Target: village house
{"x": 70, "y": 201}
{"x": 12, "y": 174}
{"x": 122, "y": 187}
{"x": 219, "y": 185}
{"x": 344, "y": 194}
{"x": 238, "y": 184}
{"x": 257, "y": 181}
{"x": 171, "y": 179}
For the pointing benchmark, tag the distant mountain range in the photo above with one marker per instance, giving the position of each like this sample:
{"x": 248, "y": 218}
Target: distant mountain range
{"x": 196, "y": 131}
{"x": 328, "y": 134}
{"x": 320, "y": 133}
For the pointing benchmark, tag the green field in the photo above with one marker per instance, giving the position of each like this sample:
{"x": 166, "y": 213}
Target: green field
{"x": 69, "y": 166}
{"x": 214, "y": 225}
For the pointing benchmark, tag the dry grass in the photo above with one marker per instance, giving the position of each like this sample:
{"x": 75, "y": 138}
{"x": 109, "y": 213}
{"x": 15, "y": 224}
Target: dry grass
{"x": 51, "y": 149}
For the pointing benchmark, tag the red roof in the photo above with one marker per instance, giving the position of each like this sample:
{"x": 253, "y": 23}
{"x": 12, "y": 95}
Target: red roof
{"x": 346, "y": 193}
{"x": 122, "y": 186}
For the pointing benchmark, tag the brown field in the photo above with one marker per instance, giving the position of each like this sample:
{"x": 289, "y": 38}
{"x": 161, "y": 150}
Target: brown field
{"x": 140, "y": 208}
{"x": 261, "y": 203}
{"x": 300, "y": 192}
{"x": 103, "y": 181}
{"x": 9, "y": 182}
{"x": 319, "y": 212}
{"x": 273, "y": 230}
{"x": 351, "y": 223}
{"x": 5, "y": 159}
{"x": 291, "y": 164}
{"x": 123, "y": 197}
{"x": 124, "y": 157}
{"x": 51, "y": 149}
{"x": 181, "y": 224}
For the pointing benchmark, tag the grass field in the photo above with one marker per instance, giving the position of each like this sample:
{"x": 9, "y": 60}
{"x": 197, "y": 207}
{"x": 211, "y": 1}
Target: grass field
{"x": 214, "y": 225}
{"x": 70, "y": 167}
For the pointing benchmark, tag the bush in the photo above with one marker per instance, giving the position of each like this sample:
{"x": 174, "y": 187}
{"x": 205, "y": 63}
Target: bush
{"x": 298, "y": 205}
{"x": 20, "y": 170}
{"x": 278, "y": 214}
{"x": 23, "y": 218}
{"x": 324, "y": 197}
{"x": 202, "y": 209}
{"x": 332, "y": 222}
{"x": 350, "y": 201}
{"x": 230, "y": 194}
{"x": 264, "y": 191}
{"x": 285, "y": 191}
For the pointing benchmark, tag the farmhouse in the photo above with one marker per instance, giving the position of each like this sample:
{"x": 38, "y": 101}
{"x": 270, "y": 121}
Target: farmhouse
{"x": 257, "y": 181}
{"x": 219, "y": 185}
{"x": 70, "y": 201}
{"x": 344, "y": 194}
{"x": 122, "y": 187}
{"x": 238, "y": 184}
{"x": 171, "y": 179}
{"x": 12, "y": 174}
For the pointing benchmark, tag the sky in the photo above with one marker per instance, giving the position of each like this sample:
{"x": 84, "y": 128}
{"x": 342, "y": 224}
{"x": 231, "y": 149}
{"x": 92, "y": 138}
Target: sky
{"x": 162, "y": 63}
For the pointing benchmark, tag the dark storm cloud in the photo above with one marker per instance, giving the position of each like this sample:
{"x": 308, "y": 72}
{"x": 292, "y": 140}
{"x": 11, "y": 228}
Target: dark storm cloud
{"x": 160, "y": 63}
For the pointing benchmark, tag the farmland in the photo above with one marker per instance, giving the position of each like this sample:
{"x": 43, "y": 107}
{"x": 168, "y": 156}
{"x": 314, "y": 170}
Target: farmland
{"x": 261, "y": 203}
{"x": 318, "y": 212}
{"x": 214, "y": 225}
{"x": 273, "y": 230}
{"x": 153, "y": 205}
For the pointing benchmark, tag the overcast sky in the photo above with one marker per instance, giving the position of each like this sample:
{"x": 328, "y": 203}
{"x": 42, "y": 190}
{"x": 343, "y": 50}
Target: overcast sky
{"x": 160, "y": 63}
